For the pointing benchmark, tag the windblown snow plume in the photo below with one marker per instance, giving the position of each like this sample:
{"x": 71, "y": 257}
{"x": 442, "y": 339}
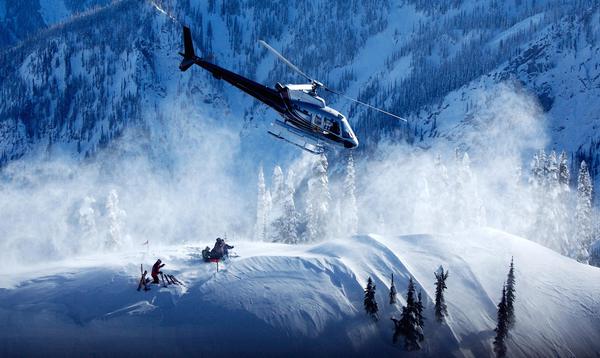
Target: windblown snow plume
{"x": 481, "y": 177}
{"x": 176, "y": 187}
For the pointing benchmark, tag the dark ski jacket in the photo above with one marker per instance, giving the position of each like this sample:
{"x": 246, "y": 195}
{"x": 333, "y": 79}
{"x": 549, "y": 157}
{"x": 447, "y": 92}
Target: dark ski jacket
{"x": 220, "y": 249}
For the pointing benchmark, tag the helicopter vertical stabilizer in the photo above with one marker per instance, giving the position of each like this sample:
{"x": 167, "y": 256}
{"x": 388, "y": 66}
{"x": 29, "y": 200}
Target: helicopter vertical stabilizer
{"x": 189, "y": 56}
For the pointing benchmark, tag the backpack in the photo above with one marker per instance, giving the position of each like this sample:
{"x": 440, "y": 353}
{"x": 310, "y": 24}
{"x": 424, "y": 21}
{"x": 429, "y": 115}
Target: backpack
{"x": 206, "y": 254}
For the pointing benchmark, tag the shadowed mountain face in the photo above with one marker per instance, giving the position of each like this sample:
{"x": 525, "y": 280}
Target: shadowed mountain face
{"x": 18, "y": 20}
{"x": 76, "y": 87}
{"x": 24, "y": 18}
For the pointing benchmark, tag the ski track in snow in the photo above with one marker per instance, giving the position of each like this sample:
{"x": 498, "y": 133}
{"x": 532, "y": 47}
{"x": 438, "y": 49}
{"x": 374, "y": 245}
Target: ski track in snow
{"x": 277, "y": 299}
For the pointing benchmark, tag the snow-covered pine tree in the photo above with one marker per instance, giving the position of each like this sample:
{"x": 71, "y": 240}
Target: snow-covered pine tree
{"x": 551, "y": 216}
{"x": 534, "y": 168}
{"x": 87, "y": 222}
{"x": 350, "y": 215}
{"x": 583, "y": 214}
{"x": 441, "y": 310}
{"x": 276, "y": 214}
{"x": 544, "y": 167}
{"x": 260, "y": 232}
{"x": 289, "y": 224}
{"x": 392, "y": 292}
{"x": 318, "y": 199}
{"x": 557, "y": 214}
{"x": 115, "y": 221}
{"x": 502, "y": 327}
{"x": 409, "y": 321}
{"x": 538, "y": 165}
{"x": 564, "y": 175}
{"x": 564, "y": 200}
{"x": 510, "y": 295}
{"x": 370, "y": 302}
{"x": 553, "y": 170}
{"x": 420, "y": 307}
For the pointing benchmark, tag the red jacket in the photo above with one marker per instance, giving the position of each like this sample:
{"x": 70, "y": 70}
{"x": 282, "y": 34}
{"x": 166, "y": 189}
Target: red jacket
{"x": 156, "y": 268}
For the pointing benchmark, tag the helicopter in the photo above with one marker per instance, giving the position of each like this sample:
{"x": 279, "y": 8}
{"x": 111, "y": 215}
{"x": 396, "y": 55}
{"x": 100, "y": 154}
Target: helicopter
{"x": 306, "y": 120}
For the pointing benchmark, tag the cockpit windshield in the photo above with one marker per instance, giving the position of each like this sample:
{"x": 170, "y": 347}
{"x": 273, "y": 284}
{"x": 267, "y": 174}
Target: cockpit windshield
{"x": 346, "y": 130}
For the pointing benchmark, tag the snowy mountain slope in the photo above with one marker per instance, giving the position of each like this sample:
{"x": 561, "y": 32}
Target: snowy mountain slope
{"x": 560, "y": 68}
{"x": 307, "y": 299}
{"x": 391, "y": 56}
{"x": 22, "y": 19}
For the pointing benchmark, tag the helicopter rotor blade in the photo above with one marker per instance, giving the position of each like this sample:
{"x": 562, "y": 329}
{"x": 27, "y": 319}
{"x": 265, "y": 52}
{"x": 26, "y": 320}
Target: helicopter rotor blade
{"x": 319, "y": 84}
{"x": 285, "y": 60}
{"x": 365, "y": 104}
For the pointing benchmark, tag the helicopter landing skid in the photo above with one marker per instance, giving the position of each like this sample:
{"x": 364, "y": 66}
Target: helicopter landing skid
{"x": 294, "y": 136}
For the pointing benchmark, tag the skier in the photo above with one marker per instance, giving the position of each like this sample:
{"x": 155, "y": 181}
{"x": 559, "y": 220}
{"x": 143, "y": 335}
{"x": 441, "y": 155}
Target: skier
{"x": 220, "y": 250}
{"x": 206, "y": 254}
{"x": 217, "y": 251}
{"x": 156, "y": 271}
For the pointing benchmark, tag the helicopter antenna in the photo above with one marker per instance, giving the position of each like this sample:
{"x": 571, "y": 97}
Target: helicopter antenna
{"x": 285, "y": 60}
{"x": 316, "y": 83}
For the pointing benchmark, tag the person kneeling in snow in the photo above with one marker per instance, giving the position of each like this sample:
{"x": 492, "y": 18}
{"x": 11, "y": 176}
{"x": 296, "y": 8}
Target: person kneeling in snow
{"x": 156, "y": 270}
{"x": 220, "y": 250}
{"x": 206, "y": 254}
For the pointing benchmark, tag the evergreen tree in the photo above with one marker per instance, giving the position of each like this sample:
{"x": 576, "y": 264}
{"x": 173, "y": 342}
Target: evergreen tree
{"x": 583, "y": 214}
{"x": 408, "y": 325}
{"x": 420, "y": 317}
{"x": 441, "y": 310}
{"x": 538, "y": 168}
{"x": 289, "y": 223}
{"x": 115, "y": 221}
{"x": 260, "y": 232}
{"x": 535, "y": 169}
{"x": 277, "y": 212}
{"x": 392, "y": 292}
{"x": 564, "y": 176}
{"x": 556, "y": 209}
{"x": 370, "y": 302}
{"x": 87, "y": 221}
{"x": 510, "y": 295}
{"x": 502, "y": 327}
{"x": 551, "y": 215}
{"x": 553, "y": 170}
{"x": 318, "y": 199}
{"x": 350, "y": 209}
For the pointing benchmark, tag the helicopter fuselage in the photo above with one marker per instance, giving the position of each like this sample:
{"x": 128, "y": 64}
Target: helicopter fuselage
{"x": 299, "y": 105}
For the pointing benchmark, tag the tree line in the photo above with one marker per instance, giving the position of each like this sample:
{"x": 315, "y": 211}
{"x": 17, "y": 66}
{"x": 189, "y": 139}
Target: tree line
{"x": 410, "y": 326}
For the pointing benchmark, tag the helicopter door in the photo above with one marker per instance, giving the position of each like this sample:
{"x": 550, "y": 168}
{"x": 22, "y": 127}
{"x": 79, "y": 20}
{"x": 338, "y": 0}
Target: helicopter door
{"x": 318, "y": 121}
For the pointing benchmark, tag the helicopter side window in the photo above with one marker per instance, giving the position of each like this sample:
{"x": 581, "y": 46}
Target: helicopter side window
{"x": 318, "y": 121}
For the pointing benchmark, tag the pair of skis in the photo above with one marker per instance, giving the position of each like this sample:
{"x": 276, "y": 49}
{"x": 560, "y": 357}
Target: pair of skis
{"x": 144, "y": 281}
{"x": 170, "y": 280}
